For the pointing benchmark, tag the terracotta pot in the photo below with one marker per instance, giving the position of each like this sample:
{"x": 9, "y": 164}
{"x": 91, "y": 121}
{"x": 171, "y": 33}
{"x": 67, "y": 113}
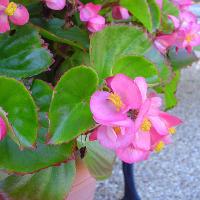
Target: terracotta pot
{"x": 84, "y": 184}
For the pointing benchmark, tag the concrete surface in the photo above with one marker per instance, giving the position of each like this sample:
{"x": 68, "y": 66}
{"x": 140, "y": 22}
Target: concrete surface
{"x": 173, "y": 174}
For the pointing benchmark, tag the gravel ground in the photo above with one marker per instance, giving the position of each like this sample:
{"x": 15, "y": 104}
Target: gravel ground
{"x": 173, "y": 174}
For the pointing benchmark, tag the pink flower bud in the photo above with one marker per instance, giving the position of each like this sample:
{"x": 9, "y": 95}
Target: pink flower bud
{"x": 2, "y": 128}
{"x": 119, "y": 12}
{"x": 55, "y": 4}
{"x": 96, "y": 24}
{"x": 89, "y": 11}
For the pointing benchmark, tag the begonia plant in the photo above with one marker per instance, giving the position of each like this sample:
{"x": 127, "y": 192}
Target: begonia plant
{"x": 90, "y": 80}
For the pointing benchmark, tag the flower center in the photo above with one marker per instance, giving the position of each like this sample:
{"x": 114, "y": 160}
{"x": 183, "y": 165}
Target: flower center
{"x": 11, "y": 8}
{"x": 133, "y": 114}
{"x": 159, "y": 147}
{"x": 116, "y": 100}
{"x": 146, "y": 125}
{"x": 117, "y": 130}
{"x": 172, "y": 130}
{"x": 189, "y": 38}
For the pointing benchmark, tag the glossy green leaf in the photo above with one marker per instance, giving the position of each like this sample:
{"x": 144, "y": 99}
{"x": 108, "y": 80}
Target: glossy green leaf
{"x": 53, "y": 30}
{"x": 111, "y": 43}
{"x": 69, "y": 110}
{"x": 53, "y": 183}
{"x": 98, "y": 159}
{"x": 146, "y": 11}
{"x": 181, "y": 58}
{"x": 18, "y": 103}
{"x": 22, "y": 54}
{"x": 42, "y": 93}
{"x": 134, "y": 66}
{"x": 27, "y": 161}
{"x": 170, "y": 91}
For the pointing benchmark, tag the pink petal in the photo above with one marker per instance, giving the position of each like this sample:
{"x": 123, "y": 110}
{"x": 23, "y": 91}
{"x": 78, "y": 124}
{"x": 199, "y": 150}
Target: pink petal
{"x": 142, "y": 140}
{"x": 4, "y": 24}
{"x": 21, "y": 16}
{"x": 96, "y": 24}
{"x": 127, "y": 90}
{"x": 103, "y": 109}
{"x": 4, "y": 2}
{"x": 142, "y": 85}
{"x": 159, "y": 125}
{"x": 3, "y": 128}
{"x": 170, "y": 119}
{"x": 119, "y": 12}
{"x": 159, "y": 2}
{"x": 55, "y": 4}
{"x": 108, "y": 138}
{"x": 132, "y": 155}
{"x": 89, "y": 11}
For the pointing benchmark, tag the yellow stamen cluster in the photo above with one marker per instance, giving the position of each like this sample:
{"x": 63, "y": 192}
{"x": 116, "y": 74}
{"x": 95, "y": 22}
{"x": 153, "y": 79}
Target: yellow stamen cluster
{"x": 189, "y": 38}
{"x": 116, "y": 100}
{"x": 117, "y": 130}
{"x": 159, "y": 147}
{"x": 11, "y": 8}
{"x": 172, "y": 130}
{"x": 146, "y": 125}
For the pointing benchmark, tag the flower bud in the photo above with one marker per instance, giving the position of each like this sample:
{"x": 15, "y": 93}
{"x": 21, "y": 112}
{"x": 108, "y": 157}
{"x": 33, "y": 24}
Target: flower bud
{"x": 119, "y": 12}
{"x": 2, "y": 128}
{"x": 96, "y": 24}
{"x": 55, "y": 4}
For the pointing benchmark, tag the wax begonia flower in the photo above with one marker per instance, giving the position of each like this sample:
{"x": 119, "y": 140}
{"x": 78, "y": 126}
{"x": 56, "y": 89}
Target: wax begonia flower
{"x": 96, "y": 24}
{"x": 3, "y": 130}
{"x": 119, "y": 12}
{"x": 110, "y": 108}
{"x": 16, "y": 13}
{"x": 88, "y": 11}
{"x": 55, "y": 4}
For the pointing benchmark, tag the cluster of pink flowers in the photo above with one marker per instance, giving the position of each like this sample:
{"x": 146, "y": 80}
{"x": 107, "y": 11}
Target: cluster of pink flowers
{"x": 89, "y": 13}
{"x": 130, "y": 120}
{"x": 3, "y": 129}
{"x": 186, "y": 34}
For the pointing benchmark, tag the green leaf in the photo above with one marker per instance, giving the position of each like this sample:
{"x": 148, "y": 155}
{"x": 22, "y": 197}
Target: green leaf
{"x": 181, "y": 58}
{"x": 170, "y": 91}
{"x": 134, "y": 66}
{"x": 165, "y": 71}
{"x": 53, "y": 183}
{"x": 22, "y": 54}
{"x": 69, "y": 110}
{"x": 111, "y": 43}
{"x": 146, "y": 11}
{"x": 42, "y": 93}
{"x": 53, "y": 30}
{"x": 14, "y": 160}
{"x": 18, "y": 103}
{"x": 99, "y": 160}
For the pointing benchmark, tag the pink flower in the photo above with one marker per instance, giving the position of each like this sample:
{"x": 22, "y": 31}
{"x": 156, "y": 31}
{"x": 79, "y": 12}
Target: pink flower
{"x": 111, "y": 108}
{"x": 89, "y": 11}
{"x": 119, "y": 12}
{"x": 96, "y": 24}
{"x": 16, "y": 13}
{"x": 55, "y": 4}
{"x": 160, "y": 3}
{"x": 2, "y": 128}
